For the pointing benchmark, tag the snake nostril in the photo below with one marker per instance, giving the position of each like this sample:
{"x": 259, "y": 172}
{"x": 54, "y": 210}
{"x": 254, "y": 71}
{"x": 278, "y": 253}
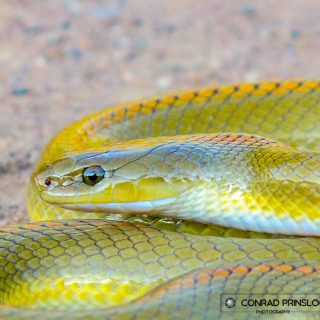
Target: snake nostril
{"x": 47, "y": 182}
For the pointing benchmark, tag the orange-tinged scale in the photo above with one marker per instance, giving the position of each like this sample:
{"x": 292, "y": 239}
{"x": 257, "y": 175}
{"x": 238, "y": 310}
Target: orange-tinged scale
{"x": 264, "y": 268}
{"x": 205, "y": 276}
{"x": 219, "y": 97}
{"x": 131, "y": 114}
{"x": 246, "y": 88}
{"x": 167, "y": 100}
{"x": 187, "y": 282}
{"x": 241, "y": 270}
{"x": 120, "y": 112}
{"x": 179, "y": 102}
{"x": 233, "y": 139}
{"x": 145, "y": 110}
{"x": 221, "y": 273}
{"x": 5, "y": 229}
{"x": 135, "y": 107}
{"x": 260, "y": 92}
{"x": 187, "y": 96}
{"x": 245, "y": 139}
{"x": 280, "y": 91}
{"x": 290, "y": 85}
{"x": 226, "y": 91}
{"x": 199, "y": 99}
{"x": 207, "y": 93}
{"x": 311, "y": 84}
{"x": 305, "y": 269}
{"x": 157, "y": 293}
{"x": 267, "y": 86}
{"x": 239, "y": 94}
{"x": 118, "y": 118}
{"x": 174, "y": 285}
{"x": 284, "y": 268}
{"x": 31, "y": 225}
{"x": 163, "y": 106}
{"x": 150, "y": 104}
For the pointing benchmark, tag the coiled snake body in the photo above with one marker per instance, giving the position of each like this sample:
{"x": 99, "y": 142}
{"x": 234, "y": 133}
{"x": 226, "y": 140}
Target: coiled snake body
{"x": 233, "y": 164}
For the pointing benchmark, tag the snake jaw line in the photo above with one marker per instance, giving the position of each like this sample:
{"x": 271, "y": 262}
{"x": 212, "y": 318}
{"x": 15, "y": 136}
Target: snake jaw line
{"x": 151, "y": 207}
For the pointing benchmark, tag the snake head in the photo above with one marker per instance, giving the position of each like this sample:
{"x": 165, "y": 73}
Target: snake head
{"x": 115, "y": 181}
{"x": 213, "y": 178}
{"x": 181, "y": 177}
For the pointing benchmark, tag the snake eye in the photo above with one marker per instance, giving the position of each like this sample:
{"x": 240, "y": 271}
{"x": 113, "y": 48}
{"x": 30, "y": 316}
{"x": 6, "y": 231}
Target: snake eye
{"x": 92, "y": 175}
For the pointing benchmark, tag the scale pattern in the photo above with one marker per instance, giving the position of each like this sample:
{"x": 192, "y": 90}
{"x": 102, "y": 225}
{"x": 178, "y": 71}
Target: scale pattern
{"x": 77, "y": 269}
{"x": 194, "y": 272}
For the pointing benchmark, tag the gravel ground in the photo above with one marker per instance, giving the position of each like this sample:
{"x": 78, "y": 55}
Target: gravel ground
{"x": 61, "y": 60}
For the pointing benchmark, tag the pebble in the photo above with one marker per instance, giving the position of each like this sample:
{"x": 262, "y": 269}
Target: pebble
{"x": 75, "y": 53}
{"x": 137, "y": 22}
{"x": 20, "y": 91}
{"x": 295, "y": 34}
{"x": 65, "y": 25}
{"x": 249, "y": 11}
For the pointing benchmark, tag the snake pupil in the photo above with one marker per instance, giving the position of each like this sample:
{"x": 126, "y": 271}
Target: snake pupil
{"x": 93, "y": 175}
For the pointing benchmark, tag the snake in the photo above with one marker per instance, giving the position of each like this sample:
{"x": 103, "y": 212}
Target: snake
{"x": 159, "y": 208}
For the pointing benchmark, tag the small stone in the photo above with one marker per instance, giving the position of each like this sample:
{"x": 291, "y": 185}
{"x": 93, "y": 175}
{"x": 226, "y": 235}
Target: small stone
{"x": 65, "y": 25}
{"x": 20, "y": 91}
{"x": 168, "y": 28}
{"x": 295, "y": 34}
{"x": 137, "y": 22}
{"x": 34, "y": 30}
{"x": 249, "y": 11}
{"x": 74, "y": 53}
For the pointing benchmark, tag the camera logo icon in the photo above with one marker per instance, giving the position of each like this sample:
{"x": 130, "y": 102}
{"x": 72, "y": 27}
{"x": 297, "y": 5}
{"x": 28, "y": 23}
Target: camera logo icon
{"x": 230, "y": 303}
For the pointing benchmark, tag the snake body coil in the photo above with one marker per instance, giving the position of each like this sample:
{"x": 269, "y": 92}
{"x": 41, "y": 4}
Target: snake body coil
{"x": 243, "y": 158}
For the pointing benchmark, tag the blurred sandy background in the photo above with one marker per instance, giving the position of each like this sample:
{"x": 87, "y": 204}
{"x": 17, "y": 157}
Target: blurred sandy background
{"x": 62, "y": 59}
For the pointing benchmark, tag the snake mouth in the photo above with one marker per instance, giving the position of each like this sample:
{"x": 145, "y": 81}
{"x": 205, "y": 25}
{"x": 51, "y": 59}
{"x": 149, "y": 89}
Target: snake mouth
{"x": 153, "y": 206}
{"x": 152, "y": 195}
